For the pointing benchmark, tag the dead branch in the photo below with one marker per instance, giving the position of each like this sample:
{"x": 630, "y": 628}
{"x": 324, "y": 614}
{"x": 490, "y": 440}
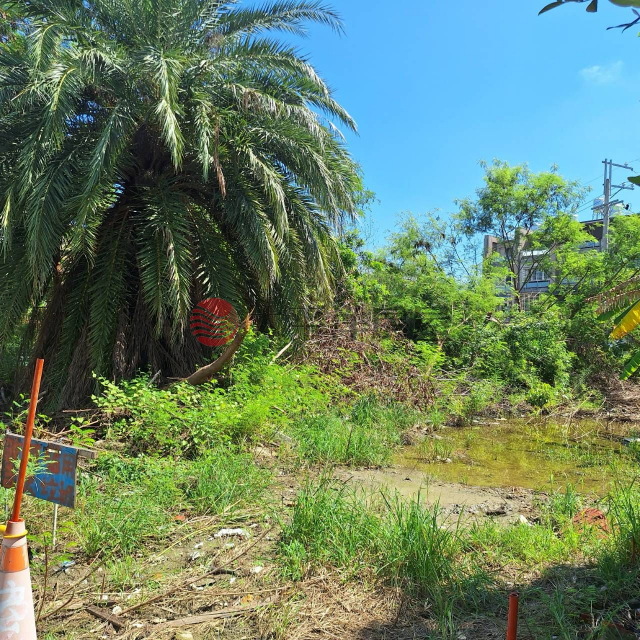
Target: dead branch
{"x": 360, "y": 361}
{"x": 207, "y": 617}
{"x": 114, "y": 621}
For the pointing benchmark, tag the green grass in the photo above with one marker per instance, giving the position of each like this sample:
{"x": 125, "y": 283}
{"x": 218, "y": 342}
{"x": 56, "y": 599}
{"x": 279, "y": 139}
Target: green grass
{"x": 126, "y": 501}
{"x": 363, "y": 434}
{"x": 377, "y": 539}
{"x": 460, "y": 571}
{"x": 531, "y": 546}
{"x": 433, "y": 450}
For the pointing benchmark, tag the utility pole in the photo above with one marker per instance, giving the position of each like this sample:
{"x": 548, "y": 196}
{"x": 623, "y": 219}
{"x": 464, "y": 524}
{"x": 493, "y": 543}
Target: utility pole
{"x": 608, "y": 203}
{"x": 604, "y": 243}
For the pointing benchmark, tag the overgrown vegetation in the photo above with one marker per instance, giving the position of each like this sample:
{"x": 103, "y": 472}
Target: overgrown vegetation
{"x": 153, "y": 154}
{"x": 458, "y": 569}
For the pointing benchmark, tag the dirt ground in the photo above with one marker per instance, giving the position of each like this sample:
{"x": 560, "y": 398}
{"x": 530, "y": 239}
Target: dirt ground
{"x": 454, "y": 499}
{"x": 212, "y": 586}
{"x": 206, "y": 586}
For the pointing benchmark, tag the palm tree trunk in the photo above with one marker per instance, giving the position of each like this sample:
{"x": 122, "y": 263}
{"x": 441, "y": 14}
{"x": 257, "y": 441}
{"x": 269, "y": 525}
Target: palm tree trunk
{"x": 206, "y": 373}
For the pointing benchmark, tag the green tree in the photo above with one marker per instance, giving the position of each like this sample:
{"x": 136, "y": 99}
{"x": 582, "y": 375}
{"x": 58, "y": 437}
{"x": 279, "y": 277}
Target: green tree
{"x": 153, "y": 153}
{"x": 408, "y": 278}
{"x": 530, "y": 215}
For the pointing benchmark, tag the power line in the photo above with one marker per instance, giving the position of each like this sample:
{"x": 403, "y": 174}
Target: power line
{"x": 591, "y": 199}
{"x": 590, "y": 205}
{"x": 590, "y": 181}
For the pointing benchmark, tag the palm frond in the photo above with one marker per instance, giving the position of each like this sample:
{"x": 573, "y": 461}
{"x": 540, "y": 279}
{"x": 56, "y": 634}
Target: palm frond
{"x": 153, "y": 152}
{"x": 287, "y": 15}
{"x": 165, "y": 255}
{"x": 107, "y": 291}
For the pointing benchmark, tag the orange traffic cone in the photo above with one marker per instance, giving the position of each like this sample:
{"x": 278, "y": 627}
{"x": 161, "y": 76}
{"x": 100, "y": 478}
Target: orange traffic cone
{"x": 17, "y": 615}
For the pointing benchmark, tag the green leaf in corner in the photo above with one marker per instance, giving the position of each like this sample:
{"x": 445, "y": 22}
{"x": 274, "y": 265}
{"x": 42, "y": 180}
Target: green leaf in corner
{"x": 553, "y": 5}
{"x": 607, "y": 315}
{"x": 634, "y": 180}
{"x": 631, "y": 366}
{"x": 615, "y": 313}
{"x": 593, "y": 6}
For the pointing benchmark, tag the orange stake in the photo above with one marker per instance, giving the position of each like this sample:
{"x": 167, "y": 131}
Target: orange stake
{"x": 512, "y": 623}
{"x": 24, "y": 458}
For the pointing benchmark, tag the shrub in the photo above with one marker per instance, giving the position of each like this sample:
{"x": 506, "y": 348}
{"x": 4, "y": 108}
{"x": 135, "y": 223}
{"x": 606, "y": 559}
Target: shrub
{"x": 526, "y": 348}
{"x": 541, "y": 395}
{"x": 260, "y": 398}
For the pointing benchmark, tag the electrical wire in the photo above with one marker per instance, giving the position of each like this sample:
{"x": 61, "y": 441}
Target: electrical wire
{"x": 590, "y": 199}
{"x": 590, "y": 205}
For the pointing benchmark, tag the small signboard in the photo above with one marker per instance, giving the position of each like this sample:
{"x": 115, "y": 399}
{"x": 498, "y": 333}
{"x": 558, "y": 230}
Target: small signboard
{"x": 57, "y": 463}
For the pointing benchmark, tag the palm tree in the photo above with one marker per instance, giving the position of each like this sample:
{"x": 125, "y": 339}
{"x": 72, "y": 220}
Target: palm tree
{"x": 154, "y": 153}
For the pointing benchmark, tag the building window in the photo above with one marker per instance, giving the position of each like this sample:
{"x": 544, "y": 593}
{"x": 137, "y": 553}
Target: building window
{"x": 537, "y": 275}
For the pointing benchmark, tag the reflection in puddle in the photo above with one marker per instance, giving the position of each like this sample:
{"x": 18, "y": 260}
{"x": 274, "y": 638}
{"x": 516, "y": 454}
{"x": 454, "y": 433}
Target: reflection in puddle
{"x": 535, "y": 455}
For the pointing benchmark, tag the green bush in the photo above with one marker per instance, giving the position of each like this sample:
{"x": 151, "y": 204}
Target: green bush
{"x": 540, "y": 394}
{"x": 526, "y": 348}
{"x": 260, "y": 398}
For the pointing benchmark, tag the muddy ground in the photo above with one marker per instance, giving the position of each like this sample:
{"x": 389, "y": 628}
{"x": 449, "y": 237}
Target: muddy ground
{"x": 470, "y": 503}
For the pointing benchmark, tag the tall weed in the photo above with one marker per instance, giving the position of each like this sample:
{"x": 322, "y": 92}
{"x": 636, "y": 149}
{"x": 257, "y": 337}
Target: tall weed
{"x": 364, "y": 434}
{"x": 401, "y": 542}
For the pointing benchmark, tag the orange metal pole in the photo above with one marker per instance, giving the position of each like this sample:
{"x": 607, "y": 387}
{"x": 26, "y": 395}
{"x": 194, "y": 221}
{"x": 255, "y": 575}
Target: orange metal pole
{"x": 24, "y": 458}
{"x": 512, "y": 623}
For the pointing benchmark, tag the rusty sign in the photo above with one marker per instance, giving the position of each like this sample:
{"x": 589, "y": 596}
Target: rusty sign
{"x": 56, "y": 478}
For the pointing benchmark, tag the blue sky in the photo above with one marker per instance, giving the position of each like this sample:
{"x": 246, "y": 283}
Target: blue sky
{"x": 436, "y": 86}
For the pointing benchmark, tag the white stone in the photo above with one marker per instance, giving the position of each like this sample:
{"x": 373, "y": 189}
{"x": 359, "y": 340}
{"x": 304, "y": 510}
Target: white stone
{"x": 229, "y": 533}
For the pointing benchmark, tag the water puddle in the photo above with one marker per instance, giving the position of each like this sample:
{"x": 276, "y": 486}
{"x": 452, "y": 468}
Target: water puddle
{"x": 539, "y": 455}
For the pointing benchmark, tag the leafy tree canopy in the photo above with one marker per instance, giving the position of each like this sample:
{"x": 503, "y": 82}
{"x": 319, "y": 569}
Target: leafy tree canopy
{"x": 530, "y": 214}
{"x": 153, "y": 153}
